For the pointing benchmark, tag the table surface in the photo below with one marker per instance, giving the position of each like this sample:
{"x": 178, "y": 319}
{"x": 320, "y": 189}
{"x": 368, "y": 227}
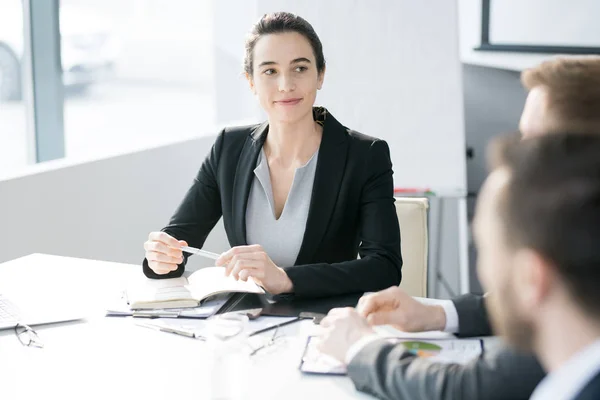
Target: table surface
{"x": 102, "y": 357}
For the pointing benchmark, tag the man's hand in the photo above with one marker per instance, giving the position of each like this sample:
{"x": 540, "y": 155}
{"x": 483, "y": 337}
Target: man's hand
{"x": 393, "y": 306}
{"x": 341, "y": 328}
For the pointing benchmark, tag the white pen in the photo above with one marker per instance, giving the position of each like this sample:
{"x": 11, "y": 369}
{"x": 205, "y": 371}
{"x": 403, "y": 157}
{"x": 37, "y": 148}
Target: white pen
{"x": 176, "y": 331}
{"x": 207, "y": 254}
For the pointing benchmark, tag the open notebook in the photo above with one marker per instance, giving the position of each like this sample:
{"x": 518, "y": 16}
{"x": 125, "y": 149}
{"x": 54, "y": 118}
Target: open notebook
{"x": 186, "y": 292}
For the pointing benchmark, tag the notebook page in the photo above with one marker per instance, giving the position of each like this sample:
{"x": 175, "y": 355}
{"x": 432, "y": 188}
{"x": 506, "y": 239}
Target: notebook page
{"x": 212, "y": 280}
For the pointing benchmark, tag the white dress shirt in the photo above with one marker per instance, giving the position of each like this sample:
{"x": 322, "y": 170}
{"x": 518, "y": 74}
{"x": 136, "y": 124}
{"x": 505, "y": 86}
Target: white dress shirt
{"x": 568, "y": 381}
{"x": 451, "y": 316}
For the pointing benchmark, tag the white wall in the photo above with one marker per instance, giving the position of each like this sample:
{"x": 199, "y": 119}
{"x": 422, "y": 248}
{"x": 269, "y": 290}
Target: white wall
{"x": 393, "y": 72}
{"x": 103, "y": 209}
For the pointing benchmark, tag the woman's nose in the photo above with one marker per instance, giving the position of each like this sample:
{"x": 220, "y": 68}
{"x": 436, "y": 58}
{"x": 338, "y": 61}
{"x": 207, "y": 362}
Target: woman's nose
{"x": 286, "y": 83}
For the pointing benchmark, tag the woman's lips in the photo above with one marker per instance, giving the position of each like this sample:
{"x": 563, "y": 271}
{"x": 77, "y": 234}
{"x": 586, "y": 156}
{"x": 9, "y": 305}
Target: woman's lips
{"x": 289, "y": 102}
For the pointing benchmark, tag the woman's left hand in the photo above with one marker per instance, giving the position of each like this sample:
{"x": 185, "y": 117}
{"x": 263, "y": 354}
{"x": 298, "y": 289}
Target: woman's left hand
{"x": 243, "y": 262}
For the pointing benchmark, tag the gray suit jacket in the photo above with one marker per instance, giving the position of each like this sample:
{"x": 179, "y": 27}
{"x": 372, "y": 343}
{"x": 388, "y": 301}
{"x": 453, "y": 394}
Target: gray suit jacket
{"x": 388, "y": 372}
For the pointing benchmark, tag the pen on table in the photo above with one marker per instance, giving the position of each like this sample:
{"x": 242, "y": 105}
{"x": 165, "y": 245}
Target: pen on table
{"x": 276, "y": 326}
{"x": 204, "y": 253}
{"x": 176, "y": 331}
{"x": 155, "y": 314}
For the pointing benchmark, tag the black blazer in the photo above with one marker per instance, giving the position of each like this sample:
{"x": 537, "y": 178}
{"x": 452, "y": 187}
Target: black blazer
{"x": 351, "y": 210}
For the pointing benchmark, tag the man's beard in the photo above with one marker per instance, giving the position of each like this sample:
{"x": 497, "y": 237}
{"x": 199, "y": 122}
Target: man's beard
{"x": 508, "y": 320}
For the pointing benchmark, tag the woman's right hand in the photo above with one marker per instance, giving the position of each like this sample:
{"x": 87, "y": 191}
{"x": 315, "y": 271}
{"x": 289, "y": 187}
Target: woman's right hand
{"x": 163, "y": 252}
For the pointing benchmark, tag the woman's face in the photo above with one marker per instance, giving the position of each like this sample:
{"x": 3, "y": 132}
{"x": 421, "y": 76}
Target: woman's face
{"x": 285, "y": 77}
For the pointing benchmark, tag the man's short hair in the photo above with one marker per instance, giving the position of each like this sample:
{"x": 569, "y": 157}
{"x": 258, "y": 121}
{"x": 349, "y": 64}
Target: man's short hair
{"x": 552, "y": 205}
{"x": 573, "y": 86}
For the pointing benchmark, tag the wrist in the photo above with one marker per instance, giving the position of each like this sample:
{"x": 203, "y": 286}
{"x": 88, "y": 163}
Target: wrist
{"x": 438, "y": 320}
{"x": 287, "y": 286}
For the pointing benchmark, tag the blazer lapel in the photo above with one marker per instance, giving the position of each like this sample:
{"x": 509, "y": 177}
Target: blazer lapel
{"x": 328, "y": 177}
{"x": 243, "y": 181}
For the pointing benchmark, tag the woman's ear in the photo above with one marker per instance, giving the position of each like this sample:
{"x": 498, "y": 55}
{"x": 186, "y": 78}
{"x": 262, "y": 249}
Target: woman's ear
{"x": 320, "y": 79}
{"x": 250, "y": 82}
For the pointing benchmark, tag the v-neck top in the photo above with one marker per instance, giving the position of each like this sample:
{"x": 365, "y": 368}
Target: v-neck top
{"x": 281, "y": 238}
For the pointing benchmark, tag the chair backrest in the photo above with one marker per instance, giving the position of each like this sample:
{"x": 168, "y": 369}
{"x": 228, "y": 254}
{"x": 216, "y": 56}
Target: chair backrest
{"x": 412, "y": 216}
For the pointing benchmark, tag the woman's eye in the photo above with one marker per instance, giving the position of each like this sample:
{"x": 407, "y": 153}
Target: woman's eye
{"x": 301, "y": 69}
{"x": 269, "y": 71}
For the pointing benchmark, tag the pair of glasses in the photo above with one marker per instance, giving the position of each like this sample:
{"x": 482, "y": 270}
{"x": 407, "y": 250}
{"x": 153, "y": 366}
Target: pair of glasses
{"x": 27, "y": 336}
{"x": 269, "y": 343}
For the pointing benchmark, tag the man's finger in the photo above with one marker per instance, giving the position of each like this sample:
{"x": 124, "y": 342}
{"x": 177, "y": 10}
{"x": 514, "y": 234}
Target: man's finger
{"x": 370, "y": 304}
{"x": 380, "y": 318}
{"x": 326, "y": 323}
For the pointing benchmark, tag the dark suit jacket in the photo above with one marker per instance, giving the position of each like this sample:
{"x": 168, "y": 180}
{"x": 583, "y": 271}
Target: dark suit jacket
{"x": 472, "y": 316}
{"x": 391, "y": 373}
{"x": 591, "y": 391}
{"x": 351, "y": 210}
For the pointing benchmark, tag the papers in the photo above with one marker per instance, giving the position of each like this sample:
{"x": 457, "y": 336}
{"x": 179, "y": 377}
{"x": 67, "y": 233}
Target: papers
{"x": 198, "y": 327}
{"x": 206, "y": 309}
{"x": 389, "y": 331}
{"x": 315, "y": 362}
{"x": 437, "y": 350}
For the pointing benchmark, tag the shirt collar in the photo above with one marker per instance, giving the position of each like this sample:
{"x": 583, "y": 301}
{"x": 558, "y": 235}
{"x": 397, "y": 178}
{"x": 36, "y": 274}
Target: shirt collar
{"x": 567, "y": 381}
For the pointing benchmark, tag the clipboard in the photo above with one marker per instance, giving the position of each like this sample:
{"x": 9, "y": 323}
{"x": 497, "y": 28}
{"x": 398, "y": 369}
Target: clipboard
{"x": 314, "y": 362}
{"x": 455, "y": 351}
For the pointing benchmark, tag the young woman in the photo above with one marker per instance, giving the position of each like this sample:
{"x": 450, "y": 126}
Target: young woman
{"x": 300, "y": 195}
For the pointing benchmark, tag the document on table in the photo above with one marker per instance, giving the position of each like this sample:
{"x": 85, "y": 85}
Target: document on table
{"x": 206, "y": 309}
{"x": 198, "y": 327}
{"x": 438, "y": 350}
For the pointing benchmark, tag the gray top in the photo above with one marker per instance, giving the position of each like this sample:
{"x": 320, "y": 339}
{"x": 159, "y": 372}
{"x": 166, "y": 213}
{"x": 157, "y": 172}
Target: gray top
{"x": 281, "y": 238}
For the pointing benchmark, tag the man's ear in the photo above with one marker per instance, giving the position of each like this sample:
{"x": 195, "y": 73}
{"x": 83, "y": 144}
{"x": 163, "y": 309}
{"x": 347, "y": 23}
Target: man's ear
{"x": 533, "y": 278}
{"x": 250, "y": 82}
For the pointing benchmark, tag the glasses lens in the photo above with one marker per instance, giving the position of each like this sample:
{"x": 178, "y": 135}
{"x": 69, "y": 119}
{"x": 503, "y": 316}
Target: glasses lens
{"x": 22, "y": 335}
{"x": 27, "y": 336}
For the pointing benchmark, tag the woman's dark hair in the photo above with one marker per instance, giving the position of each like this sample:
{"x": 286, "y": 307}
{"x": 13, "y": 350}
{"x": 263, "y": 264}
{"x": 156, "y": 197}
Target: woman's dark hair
{"x": 281, "y": 22}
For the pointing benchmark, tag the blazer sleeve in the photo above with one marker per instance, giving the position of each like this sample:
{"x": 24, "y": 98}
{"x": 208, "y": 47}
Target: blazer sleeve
{"x": 199, "y": 211}
{"x": 472, "y": 316}
{"x": 388, "y": 372}
{"x": 380, "y": 263}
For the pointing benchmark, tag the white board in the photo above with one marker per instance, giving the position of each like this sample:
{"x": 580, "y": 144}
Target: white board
{"x": 545, "y": 22}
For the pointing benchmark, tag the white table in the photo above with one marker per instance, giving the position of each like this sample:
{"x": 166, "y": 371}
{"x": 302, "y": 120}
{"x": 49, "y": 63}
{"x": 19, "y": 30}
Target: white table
{"x": 112, "y": 358}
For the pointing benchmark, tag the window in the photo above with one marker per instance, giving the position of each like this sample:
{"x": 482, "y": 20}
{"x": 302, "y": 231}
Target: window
{"x": 13, "y": 130}
{"x": 136, "y": 73}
